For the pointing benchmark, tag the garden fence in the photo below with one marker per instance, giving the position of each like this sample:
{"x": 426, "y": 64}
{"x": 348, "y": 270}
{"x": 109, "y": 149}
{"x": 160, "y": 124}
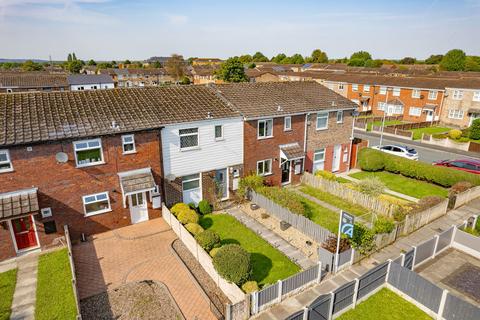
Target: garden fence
{"x": 304, "y": 225}
{"x": 277, "y": 292}
{"x": 354, "y": 196}
{"x": 391, "y": 130}
{"x": 467, "y": 196}
{"x": 72, "y": 269}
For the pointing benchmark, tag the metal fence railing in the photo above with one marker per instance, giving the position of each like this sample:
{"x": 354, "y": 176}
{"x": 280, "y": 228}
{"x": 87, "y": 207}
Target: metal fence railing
{"x": 72, "y": 269}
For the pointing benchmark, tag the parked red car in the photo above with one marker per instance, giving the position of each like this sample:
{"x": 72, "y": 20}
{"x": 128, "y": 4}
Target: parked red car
{"x": 469, "y": 165}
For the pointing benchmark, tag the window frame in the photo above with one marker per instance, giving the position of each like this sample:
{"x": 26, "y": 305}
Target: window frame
{"x": 180, "y": 135}
{"x": 383, "y": 90}
{"x": 127, "y": 143}
{"x": 289, "y": 127}
{"x": 98, "y": 211}
{"x": 90, "y": 164}
{"x": 265, "y": 121}
{"x": 366, "y": 88}
{"x": 326, "y": 122}
{"x": 457, "y": 95}
{"x": 341, "y": 86}
{"x": 215, "y": 132}
{"x": 455, "y": 114}
{"x": 265, "y": 173}
{"x": 476, "y": 96}
{"x": 416, "y": 93}
{"x": 9, "y": 161}
{"x": 415, "y": 114}
{"x": 354, "y": 87}
{"x": 197, "y": 178}
{"x": 383, "y": 104}
{"x": 432, "y": 94}
{"x": 396, "y": 91}
{"x": 340, "y": 112}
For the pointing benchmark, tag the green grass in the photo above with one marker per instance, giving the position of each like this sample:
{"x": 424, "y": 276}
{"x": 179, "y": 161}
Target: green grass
{"x": 417, "y": 133}
{"x": 334, "y": 200}
{"x": 55, "y": 299}
{"x": 321, "y": 216}
{"x": 379, "y": 123}
{"x": 342, "y": 180}
{"x": 411, "y": 187}
{"x": 385, "y": 305}
{"x": 8, "y": 280}
{"x": 269, "y": 264}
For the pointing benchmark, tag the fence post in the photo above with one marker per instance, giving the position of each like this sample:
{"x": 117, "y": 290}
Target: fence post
{"x": 402, "y": 263}
{"x": 453, "y": 235}
{"x": 388, "y": 269}
{"x": 442, "y": 304}
{"x": 254, "y": 302}
{"x": 355, "y": 293}
{"x": 279, "y": 285}
{"x": 305, "y": 313}
{"x": 414, "y": 256}
{"x": 352, "y": 256}
{"x": 228, "y": 311}
{"x": 436, "y": 245}
{"x": 319, "y": 275}
{"x": 330, "y": 309}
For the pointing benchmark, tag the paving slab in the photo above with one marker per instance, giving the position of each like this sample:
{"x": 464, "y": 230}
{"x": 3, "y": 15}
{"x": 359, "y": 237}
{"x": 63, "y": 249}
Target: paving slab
{"x": 25, "y": 295}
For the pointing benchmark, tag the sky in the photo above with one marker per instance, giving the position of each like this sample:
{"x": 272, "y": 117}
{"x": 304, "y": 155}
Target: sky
{"x": 139, "y": 29}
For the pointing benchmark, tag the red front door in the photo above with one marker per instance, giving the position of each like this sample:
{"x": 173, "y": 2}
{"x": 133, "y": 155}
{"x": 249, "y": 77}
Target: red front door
{"x": 24, "y": 232}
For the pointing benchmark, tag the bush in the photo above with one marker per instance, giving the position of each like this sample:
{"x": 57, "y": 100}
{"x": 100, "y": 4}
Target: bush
{"x": 233, "y": 263}
{"x": 249, "y": 182}
{"x": 460, "y": 187}
{"x": 326, "y": 175}
{"x": 208, "y": 240}
{"x": 204, "y": 207}
{"x": 179, "y": 207}
{"x": 188, "y": 216}
{"x": 442, "y": 176}
{"x": 372, "y": 186}
{"x": 194, "y": 228}
{"x": 250, "y": 286}
{"x": 475, "y": 130}
{"x": 330, "y": 244}
{"x": 192, "y": 205}
{"x": 454, "y": 134}
{"x": 363, "y": 239}
{"x": 285, "y": 198}
{"x": 439, "y": 135}
{"x": 383, "y": 225}
{"x": 370, "y": 159}
{"x": 214, "y": 251}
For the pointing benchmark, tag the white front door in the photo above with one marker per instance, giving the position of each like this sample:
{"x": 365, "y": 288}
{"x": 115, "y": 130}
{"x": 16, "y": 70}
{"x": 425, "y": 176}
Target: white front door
{"x": 429, "y": 115}
{"x": 191, "y": 189}
{"x": 138, "y": 207}
{"x": 337, "y": 153}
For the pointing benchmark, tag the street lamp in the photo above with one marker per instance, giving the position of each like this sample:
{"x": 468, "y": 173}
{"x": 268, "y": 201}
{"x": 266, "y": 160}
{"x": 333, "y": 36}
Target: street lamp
{"x": 385, "y": 107}
{"x": 355, "y": 114}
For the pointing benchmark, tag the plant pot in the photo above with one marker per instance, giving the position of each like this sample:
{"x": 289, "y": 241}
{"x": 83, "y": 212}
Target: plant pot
{"x": 265, "y": 216}
{"x": 254, "y": 206}
{"x": 284, "y": 225}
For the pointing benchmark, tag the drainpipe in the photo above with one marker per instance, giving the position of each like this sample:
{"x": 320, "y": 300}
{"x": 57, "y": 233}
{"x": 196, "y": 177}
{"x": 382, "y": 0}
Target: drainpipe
{"x": 441, "y": 106}
{"x": 305, "y": 139}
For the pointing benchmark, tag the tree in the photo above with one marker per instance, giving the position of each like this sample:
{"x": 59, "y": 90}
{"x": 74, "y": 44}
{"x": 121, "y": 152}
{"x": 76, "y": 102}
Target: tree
{"x": 259, "y": 57}
{"x": 373, "y": 63}
{"x": 69, "y": 57}
{"x": 29, "y": 65}
{"x": 175, "y": 66}
{"x": 454, "y": 60}
{"x": 157, "y": 64}
{"x": 362, "y": 55}
{"x": 185, "y": 80}
{"x": 297, "y": 59}
{"x": 127, "y": 62}
{"x": 232, "y": 71}
{"x": 408, "y": 60}
{"x": 472, "y": 63}
{"x": 74, "y": 66}
{"x": 356, "y": 62}
{"x": 475, "y": 130}
{"x": 246, "y": 58}
{"x": 104, "y": 65}
{"x": 74, "y": 57}
{"x": 318, "y": 56}
{"x": 251, "y": 65}
{"x": 91, "y": 62}
{"x": 114, "y": 63}
{"x": 279, "y": 57}
{"x": 434, "y": 59}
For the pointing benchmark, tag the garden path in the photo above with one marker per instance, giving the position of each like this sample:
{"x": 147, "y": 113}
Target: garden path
{"x": 25, "y": 296}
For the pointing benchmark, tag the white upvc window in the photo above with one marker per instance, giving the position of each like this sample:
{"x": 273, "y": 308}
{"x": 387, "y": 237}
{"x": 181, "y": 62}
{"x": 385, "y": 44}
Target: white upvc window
{"x": 354, "y": 87}
{"x": 383, "y": 90}
{"x": 339, "y": 116}
{"x": 264, "y": 167}
{"x": 5, "y": 162}
{"x": 366, "y": 88}
{"x": 396, "y": 91}
{"x": 128, "y": 144}
{"x": 318, "y": 160}
{"x": 340, "y": 86}
{"x": 455, "y": 114}
{"x": 188, "y": 138}
{"x": 476, "y": 96}
{"x": 265, "y": 128}
{"x": 96, "y": 204}
{"x": 322, "y": 121}
{"x": 218, "y": 132}
{"x": 287, "y": 123}
{"x": 416, "y": 93}
{"x": 415, "y": 111}
{"x": 457, "y": 94}
{"x": 191, "y": 182}
{"x": 88, "y": 152}
{"x": 432, "y": 95}
{"x": 398, "y": 109}
{"x": 381, "y": 106}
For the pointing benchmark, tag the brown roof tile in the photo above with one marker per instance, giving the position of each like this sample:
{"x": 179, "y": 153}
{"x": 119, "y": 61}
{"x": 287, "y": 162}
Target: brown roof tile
{"x": 32, "y": 80}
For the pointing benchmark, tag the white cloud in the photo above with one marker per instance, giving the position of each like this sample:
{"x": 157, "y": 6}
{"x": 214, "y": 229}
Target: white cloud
{"x": 177, "y": 19}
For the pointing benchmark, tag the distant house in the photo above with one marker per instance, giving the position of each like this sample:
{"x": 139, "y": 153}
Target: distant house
{"x": 162, "y": 60}
{"x": 206, "y": 61}
{"x": 138, "y": 77}
{"x": 32, "y": 81}
{"x": 462, "y": 103}
{"x": 203, "y": 74}
{"x": 80, "y": 82}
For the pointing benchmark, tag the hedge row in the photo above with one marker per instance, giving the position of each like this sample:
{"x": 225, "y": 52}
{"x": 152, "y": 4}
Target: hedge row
{"x": 374, "y": 160}
{"x": 284, "y": 197}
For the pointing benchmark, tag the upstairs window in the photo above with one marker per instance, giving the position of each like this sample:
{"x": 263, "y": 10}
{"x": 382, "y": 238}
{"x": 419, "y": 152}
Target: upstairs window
{"x": 340, "y": 86}
{"x": 458, "y": 94}
{"x": 366, "y": 88}
{"x": 416, "y": 93}
{"x": 383, "y": 90}
{"x": 354, "y": 87}
{"x": 396, "y": 91}
{"x": 476, "y": 96}
{"x": 128, "y": 144}
{"x": 96, "y": 203}
{"x": 322, "y": 121}
{"x": 88, "y": 152}
{"x": 188, "y": 138}
{"x": 432, "y": 95}
{"x": 339, "y": 116}
{"x": 5, "y": 162}
{"x": 265, "y": 128}
{"x": 219, "y": 132}
{"x": 287, "y": 123}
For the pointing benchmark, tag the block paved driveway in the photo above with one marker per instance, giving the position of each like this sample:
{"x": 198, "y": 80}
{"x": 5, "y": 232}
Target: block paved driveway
{"x": 138, "y": 252}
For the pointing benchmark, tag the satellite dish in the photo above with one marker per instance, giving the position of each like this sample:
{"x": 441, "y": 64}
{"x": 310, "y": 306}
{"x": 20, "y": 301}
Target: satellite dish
{"x": 61, "y": 157}
{"x": 171, "y": 177}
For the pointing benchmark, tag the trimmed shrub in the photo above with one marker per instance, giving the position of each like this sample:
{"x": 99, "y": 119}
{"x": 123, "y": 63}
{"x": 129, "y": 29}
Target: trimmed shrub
{"x": 249, "y": 182}
{"x": 454, "y": 134}
{"x": 326, "y": 175}
{"x": 442, "y": 176}
{"x": 460, "y": 187}
{"x": 179, "y": 207}
{"x": 214, "y": 251}
{"x": 192, "y": 206}
{"x": 188, "y": 216}
{"x": 233, "y": 263}
{"x": 370, "y": 159}
{"x": 363, "y": 239}
{"x": 285, "y": 198}
{"x": 383, "y": 225}
{"x": 372, "y": 186}
{"x": 194, "y": 228}
{"x": 250, "y": 286}
{"x": 475, "y": 130}
{"x": 204, "y": 207}
{"x": 208, "y": 240}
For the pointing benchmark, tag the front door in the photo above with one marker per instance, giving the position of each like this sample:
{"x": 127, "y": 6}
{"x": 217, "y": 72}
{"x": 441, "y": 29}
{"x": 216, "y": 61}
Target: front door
{"x": 337, "y": 153}
{"x": 221, "y": 179}
{"x": 429, "y": 115}
{"x": 24, "y": 232}
{"x": 138, "y": 207}
{"x": 285, "y": 171}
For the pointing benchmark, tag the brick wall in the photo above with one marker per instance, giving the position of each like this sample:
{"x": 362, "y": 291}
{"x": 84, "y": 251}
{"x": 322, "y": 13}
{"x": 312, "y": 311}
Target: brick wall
{"x": 61, "y": 186}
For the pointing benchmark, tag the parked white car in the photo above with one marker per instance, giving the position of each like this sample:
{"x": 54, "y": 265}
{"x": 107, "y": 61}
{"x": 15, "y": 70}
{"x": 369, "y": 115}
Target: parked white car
{"x": 401, "y": 151}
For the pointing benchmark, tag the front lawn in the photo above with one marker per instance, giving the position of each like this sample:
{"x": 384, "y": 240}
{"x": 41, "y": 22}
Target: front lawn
{"x": 379, "y": 123}
{"x": 269, "y": 264}
{"x": 321, "y": 215}
{"x": 417, "y": 133}
{"x": 8, "y": 280}
{"x": 385, "y": 305}
{"x": 55, "y": 299}
{"x": 396, "y": 182}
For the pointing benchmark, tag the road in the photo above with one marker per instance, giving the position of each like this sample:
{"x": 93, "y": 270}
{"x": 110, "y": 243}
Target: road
{"x": 426, "y": 153}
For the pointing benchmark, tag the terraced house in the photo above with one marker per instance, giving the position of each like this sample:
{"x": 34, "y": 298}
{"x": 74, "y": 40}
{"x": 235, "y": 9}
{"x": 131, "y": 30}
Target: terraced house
{"x": 462, "y": 103}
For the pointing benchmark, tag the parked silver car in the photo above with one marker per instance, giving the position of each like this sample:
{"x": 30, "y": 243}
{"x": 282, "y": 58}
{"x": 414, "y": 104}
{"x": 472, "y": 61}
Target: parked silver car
{"x": 401, "y": 151}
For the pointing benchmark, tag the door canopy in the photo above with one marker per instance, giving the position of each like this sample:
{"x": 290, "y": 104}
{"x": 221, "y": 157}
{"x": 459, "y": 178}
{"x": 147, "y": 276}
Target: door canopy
{"x": 18, "y": 203}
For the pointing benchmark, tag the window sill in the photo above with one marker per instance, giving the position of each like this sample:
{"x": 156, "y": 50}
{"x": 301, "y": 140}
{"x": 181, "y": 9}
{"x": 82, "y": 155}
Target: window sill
{"x": 189, "y": 149}
{"x": 7, "y": 170}
{"x": 91, "y": 164}
{"x": 97, "y": 213}
{"x": 322, "y": 129}
{"x": 339, "y": 122}
{"x": 265, "y": 175}
{"x": 129, "y": 152}
{"x": 264, "y": 138}
{"x": 219, "y": 139}
{"x": 287, "y": 130}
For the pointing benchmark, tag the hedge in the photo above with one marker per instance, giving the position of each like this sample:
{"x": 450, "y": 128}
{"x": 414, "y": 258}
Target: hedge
{"x": 194, "y": 228}
{"x": 233, "y": 263}
{"x": 374, "y": 160}
{"x": 188, "y": 216}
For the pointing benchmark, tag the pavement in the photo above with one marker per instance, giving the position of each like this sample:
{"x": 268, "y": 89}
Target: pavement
{"x": 427, "y": 153}
{"x": 25, "y": 295}
{"x": 271, "y": 237}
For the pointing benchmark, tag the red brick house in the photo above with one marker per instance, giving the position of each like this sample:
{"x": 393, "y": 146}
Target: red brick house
{"x": 291, "y": 127}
